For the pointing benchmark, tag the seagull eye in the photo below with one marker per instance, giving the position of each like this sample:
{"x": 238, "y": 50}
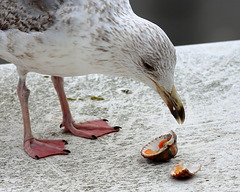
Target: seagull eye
{"x": 147, "y": 66}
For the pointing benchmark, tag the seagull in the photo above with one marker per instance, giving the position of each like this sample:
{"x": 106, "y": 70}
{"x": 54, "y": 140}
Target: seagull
{"x": 65, "y": 38}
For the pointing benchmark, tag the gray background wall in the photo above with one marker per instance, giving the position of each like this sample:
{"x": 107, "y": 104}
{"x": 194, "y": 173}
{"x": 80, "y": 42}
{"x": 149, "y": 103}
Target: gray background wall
{"x": 192, "y": 21}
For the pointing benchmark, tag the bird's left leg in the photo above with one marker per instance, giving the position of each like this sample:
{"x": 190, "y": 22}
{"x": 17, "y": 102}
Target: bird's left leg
{"x": 89, "y": 129}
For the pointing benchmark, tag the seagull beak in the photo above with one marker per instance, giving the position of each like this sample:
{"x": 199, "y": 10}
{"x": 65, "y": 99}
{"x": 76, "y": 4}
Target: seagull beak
{"x": 173, "y": 102}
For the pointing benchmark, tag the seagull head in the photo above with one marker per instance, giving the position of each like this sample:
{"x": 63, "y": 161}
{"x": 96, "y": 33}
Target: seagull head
{"x": 152, "y": 59}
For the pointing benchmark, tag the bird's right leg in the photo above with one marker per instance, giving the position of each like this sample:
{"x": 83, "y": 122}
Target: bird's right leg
{"x": 35, "y": 148}
{"x": 88, "y": 129}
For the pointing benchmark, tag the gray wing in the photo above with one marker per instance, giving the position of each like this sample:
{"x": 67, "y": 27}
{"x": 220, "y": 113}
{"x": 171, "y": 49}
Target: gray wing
{"x": 28, "y": 15}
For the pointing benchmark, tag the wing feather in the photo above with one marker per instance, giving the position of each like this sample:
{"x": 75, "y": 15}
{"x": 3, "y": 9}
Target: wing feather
{"x": 28, "y": 15}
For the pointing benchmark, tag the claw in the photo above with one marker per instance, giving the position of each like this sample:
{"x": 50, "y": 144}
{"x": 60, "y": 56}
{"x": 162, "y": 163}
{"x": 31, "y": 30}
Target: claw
{"x": 94, "y": 137}
{"x": 65, "y": 150}
{"x": 105, "y": 120}
{"x": 37, "y": 157}
{"x": 117, "y": 127}
{"x": 61, "y": 125}
{"x": 64, "y": 141}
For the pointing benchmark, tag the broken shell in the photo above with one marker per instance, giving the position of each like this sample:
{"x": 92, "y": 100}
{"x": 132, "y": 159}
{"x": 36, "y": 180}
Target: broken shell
{"x": 182, "y": 170}
{"x": 161, "y": 148}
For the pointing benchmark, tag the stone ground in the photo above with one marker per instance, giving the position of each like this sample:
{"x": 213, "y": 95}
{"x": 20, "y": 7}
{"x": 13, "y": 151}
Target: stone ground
{"x": 207, "y": 78}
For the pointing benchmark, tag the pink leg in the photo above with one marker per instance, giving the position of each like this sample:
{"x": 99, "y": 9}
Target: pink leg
{"x": 89, "y": 129}
{"x": 36, "y": 148}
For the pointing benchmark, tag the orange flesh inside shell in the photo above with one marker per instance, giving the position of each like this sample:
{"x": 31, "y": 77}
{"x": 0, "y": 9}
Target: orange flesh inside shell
{"x": 178, "y": 169}
{"x": 162, "y": 143}
{"x": 151, "y": 152}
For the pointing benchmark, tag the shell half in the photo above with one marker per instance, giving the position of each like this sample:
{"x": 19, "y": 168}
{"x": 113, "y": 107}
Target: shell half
{"x": 185, "y": 170}
{"x": 161, "y": 148}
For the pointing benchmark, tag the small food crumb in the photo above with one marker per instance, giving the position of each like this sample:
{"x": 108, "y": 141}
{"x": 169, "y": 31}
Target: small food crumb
{"x": 97, "y": 98}
{"x": 127, "y": 91}
{"x": 71, "y": 99}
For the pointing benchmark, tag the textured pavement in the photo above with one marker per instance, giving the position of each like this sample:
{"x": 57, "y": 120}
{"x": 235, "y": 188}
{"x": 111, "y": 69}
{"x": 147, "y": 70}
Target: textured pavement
{"x": 207, "y": 78}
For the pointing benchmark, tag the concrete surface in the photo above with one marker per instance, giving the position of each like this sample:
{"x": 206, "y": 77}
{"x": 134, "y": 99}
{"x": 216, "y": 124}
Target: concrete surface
{"x": 208, "y": 80}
